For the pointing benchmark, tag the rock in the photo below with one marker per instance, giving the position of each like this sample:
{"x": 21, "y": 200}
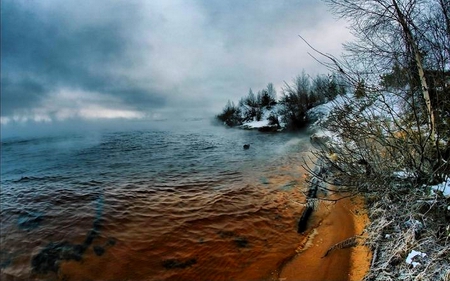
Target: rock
{"x": 246, "y": 146}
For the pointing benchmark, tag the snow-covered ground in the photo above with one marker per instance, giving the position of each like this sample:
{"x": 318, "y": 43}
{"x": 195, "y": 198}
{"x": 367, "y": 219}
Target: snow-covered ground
{"x": 383, "y": 107}
{"x": 322, "y": 111}
{"x": 265, "y": 122}
{"x": 255, "y": 124}
{"x": 319, "y": 115}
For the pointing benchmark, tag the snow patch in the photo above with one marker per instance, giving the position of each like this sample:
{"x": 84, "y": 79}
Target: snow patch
{"x": 322, "y": 111}
{"x": 256, "y": 124}
{"x": 412, "y": 255}
{"x": 404, "y": 175}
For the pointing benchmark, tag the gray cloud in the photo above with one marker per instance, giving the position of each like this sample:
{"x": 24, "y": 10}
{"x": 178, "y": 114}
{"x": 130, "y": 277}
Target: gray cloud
{"x": 22, "y": 94}
{"x": 137, "y": 58}
{"x": 48, "y": 48}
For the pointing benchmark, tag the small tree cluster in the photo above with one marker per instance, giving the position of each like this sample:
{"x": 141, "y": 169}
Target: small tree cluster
{"x": 304, "y": 94}
{"x": 231, "y": 115}
{"x": 250, "y": 108}
{"x": 297, "y": 98}
{"x": 253, "y": 106}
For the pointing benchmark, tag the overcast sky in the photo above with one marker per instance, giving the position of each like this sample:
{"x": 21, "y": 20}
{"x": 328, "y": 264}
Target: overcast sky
{"x": 97, "y": 60}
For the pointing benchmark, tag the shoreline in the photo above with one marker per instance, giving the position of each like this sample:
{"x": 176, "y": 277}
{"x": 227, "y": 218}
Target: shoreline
{"x": 330, "y": 224}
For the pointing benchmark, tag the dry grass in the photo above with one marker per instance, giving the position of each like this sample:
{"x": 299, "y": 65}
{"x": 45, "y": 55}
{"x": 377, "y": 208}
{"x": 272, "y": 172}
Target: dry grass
{"x": 373, "y": 146}
{"x": 400, "y": 224}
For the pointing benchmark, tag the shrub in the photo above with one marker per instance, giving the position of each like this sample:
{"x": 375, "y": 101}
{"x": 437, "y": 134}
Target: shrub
{"x": 231, "y": 115}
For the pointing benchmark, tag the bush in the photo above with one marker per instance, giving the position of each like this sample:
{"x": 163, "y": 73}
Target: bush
{"x": 273, "y": 120}
{"x": 231, "y": 115}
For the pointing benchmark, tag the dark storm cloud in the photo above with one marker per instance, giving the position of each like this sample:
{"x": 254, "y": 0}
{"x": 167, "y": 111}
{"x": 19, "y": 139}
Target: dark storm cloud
{"x": 43, "y": 50}
{"x": 47, "y": 44}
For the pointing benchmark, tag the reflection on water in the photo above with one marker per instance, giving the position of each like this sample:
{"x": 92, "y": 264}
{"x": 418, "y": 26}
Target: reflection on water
{"x": 150, "y": 206}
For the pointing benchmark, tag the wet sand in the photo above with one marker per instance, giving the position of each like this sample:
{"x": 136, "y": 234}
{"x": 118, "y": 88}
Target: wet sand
{"x": 331, "y": 224}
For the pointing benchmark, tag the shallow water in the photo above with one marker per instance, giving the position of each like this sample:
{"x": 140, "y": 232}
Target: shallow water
{"x": 152, "y": 204}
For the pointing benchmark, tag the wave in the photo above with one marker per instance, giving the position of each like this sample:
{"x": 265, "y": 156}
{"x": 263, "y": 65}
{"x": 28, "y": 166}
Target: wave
{"x": 146, "y": 204}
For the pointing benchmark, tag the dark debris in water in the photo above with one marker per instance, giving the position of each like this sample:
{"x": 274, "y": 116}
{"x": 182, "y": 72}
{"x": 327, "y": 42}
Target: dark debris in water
{"x": 176, "y": 263}
{"x": 264, "y": 180}
{"x": 49, "y": 258}
{"x": 241, "y": 242}
{"x": 99, "y": 250}
{"x": 226, "y": 234}
{"x": 111, "y": 241}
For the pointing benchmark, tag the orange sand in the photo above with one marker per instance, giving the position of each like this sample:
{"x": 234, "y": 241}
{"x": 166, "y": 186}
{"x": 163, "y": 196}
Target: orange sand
{"x": 329, "y": 225}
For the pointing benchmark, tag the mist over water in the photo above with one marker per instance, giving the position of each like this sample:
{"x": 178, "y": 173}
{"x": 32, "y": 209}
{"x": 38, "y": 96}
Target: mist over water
{"x": 178, "y": 201}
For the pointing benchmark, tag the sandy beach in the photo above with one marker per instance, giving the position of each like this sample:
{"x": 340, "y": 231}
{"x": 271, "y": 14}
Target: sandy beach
{"x": 331, "y": 224}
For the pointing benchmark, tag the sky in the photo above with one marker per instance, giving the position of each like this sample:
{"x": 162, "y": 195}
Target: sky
{"x": 83, "y": 60}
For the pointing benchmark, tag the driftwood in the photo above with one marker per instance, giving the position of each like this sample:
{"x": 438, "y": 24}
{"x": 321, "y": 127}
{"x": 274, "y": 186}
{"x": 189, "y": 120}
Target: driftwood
{"x": 311, "y": 202}
{"x": 347, "y": 243}
{"x": 303, "y": 222}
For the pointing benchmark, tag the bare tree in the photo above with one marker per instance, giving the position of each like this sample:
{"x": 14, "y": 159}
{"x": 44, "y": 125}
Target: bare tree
{"x": 295, "y": 101}
{"x": 411, "y": 35}
{"x": 393, "y": 142}
{"x": 378, "y": 26}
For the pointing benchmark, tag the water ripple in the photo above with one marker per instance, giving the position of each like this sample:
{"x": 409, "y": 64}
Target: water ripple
{"x": 166, "y": 205}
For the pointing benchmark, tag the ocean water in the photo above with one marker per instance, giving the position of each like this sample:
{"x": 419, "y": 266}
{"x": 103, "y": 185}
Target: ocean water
{"x": 182, "y": 202}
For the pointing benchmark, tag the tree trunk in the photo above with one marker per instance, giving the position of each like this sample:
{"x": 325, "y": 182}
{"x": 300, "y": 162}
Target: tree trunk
{"x": 418, "y": 61}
